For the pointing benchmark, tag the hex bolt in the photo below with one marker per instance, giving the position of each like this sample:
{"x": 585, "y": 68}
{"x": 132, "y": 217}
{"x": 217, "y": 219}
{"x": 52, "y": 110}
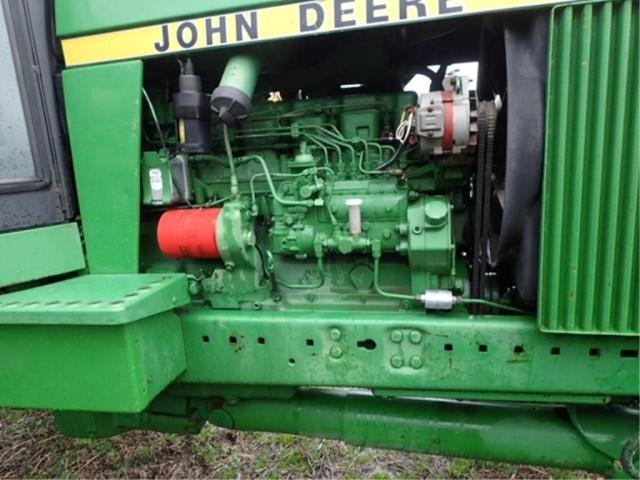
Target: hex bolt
{"x": 335, "y": 334}
{"x": 416, "y": 362}
{"x": 415, "y": 337}
{"x": 396, "y": 336}
{"x": 396, "y": 361}
{"x": 336, "y": 351}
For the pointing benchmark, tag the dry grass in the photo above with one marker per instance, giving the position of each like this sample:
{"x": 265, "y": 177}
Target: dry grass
{"x": 31, "y": 447}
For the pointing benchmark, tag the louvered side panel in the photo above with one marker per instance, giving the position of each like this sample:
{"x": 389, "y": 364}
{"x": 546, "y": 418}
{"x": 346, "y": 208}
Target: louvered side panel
{"x": 589, "y": 255}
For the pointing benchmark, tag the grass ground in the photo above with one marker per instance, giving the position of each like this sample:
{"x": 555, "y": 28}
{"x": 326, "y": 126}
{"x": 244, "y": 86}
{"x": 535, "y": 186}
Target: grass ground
{"x": 31, "y": 447}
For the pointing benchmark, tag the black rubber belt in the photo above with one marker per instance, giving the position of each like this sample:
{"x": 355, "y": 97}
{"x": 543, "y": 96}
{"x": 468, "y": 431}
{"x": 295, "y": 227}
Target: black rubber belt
{"x": 486, "y": 135}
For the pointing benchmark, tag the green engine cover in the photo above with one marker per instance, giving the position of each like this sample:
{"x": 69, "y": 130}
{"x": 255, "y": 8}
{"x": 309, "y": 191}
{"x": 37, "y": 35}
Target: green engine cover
{"x": 589, "y": 269}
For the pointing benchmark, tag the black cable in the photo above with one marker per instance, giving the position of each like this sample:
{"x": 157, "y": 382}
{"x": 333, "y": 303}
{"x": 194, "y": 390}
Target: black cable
{"x": 155, "y": 118}
{"x": 392, "y": 160}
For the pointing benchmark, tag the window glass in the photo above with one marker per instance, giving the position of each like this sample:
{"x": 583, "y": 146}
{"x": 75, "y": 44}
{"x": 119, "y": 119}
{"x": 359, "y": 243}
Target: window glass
{"x": 16, "y": 160}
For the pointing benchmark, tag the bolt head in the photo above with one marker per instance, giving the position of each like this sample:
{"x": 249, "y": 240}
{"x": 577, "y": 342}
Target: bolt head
{"x": 396, "y": 336}
{"x": 415, "y": 337}
{"x": 416, "y": 362}
{"x": 336, "y": 351}
{"x": 396, "y": 361}
{"x": 335, "y": 334}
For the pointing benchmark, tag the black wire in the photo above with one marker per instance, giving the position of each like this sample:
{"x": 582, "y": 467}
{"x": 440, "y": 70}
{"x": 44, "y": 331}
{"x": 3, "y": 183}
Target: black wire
{"x": 392, "y": 160}
{"x": 152, "y": 110}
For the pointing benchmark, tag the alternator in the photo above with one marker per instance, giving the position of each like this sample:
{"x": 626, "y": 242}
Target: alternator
{"x": 447, "y": 121}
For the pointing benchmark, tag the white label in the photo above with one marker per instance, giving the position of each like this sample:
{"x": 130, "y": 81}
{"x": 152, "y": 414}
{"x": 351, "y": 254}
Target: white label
{"x": 157, "y": 186}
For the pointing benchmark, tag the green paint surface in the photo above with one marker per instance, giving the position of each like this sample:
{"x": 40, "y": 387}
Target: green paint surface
{"x": 95, "y": 300}
{"x": 40, "y": 253}
{"x": 95, "y": 342}
{"x": 480, "y": 431}
{"x": 91, "y": 16}
{"x": 404, "y": 350}
{"x": 589, "y": 261}
{"x": 88, "y": 367}
{"x": 103, "y": 107}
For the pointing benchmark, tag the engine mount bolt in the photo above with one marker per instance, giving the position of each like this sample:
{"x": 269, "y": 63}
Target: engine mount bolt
{"x": 336, "y": 351}
{"x": 396, "y": 361}
{"x": 415, "y": 337}
{"x": 416, "y": 362}
{"x": 396, "y": 336}
{"x": 335, "y": 334}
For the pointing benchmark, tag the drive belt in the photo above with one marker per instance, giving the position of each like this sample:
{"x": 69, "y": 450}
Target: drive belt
{"x": 482, "y": 195}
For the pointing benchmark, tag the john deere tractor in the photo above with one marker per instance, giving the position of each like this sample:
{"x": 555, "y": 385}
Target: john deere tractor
{"x": 406, "y": 224}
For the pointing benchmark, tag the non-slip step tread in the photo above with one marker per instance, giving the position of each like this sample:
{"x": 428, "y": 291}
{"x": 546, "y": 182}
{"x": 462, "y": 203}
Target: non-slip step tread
{"x": 95, "y": 300}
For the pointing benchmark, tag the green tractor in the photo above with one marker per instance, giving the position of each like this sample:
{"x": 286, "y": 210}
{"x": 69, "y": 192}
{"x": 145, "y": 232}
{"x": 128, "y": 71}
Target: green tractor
{"x": 406, "y": 224}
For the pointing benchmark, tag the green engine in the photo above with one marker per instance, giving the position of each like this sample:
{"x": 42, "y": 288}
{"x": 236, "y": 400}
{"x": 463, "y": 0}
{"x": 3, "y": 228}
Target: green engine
{"x": 365, "y": 194}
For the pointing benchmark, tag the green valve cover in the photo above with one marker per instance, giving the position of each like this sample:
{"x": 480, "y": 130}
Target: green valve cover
{"x": 93, "y": 343}
{"x": 589, "y": 268}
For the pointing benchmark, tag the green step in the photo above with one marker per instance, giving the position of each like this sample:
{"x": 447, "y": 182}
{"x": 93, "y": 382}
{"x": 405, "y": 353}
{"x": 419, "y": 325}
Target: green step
{"x": 106, "y": 343}
{"x": 95, "y": 300}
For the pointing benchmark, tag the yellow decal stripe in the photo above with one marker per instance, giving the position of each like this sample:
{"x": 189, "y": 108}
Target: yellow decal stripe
{"x": 285, "y": 21}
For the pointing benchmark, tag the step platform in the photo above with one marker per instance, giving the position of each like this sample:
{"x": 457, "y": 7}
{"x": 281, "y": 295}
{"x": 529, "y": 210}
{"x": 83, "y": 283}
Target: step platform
{"x": 101, "y": 343}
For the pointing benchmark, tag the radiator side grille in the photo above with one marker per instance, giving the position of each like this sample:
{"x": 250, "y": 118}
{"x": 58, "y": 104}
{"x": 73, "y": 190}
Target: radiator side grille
{"x": 589, "y": 258}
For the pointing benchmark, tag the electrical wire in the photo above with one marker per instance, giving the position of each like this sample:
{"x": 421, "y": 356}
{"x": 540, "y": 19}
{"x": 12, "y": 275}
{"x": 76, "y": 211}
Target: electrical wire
{"x": 404, "y": 129}
{"x": 155, "y": 118}
{"x": 392, "y": 160}
{"x": 402, "y": 135}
